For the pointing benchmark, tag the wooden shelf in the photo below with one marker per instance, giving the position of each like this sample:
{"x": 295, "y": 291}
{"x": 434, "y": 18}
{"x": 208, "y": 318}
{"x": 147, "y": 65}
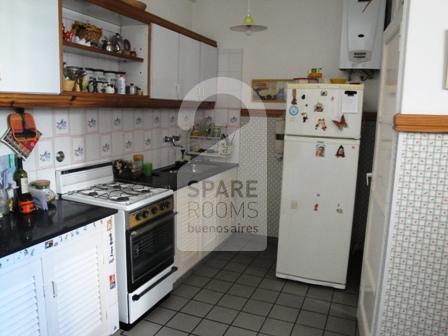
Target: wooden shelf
{"x": 88, "y": 100}
{"x": 79, "y": 49}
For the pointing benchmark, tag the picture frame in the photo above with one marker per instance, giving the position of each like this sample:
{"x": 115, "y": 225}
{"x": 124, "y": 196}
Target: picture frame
{"x": 270, "y": 90}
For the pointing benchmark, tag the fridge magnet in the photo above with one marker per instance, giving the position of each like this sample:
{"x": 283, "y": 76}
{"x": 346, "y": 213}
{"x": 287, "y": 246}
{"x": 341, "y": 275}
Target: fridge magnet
{"x": 316, "y": 207}
{"x": 320, "y": 150}
{"x": 339, "y": 209}
{"x": 340, "y": 153}
{"x": 294, "y": 97}
{"x": 319, "y": 107}
{"x": 341, "y": 124}
{"x": 293, "y": 110}
{"x": 304, "y": 117}
{"x": 321, "y": 123}
{"x": 324, "y": 93}
{"x": 303, "y": 97}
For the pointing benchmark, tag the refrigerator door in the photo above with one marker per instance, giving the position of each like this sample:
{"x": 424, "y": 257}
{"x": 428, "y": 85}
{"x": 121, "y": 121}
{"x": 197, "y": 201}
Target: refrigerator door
{"x": 318, "y": 193}
{"x": 320, "y": 111}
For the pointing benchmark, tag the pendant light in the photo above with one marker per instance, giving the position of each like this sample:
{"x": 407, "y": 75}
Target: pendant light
{"x": 248, "y": 25}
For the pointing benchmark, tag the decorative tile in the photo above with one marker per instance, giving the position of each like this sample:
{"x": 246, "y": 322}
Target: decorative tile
{"x": 45, "y": 154}
{"x": 147, "y": 140}
{"x": 138, "y": 119}
{"x": 172, "y": 119}
{"x": 61, "y": 122}
{"x": 117, "y": 120}
{"x": 92, "y": 121}
{"x": 105, "y": 145}
{"x": 128, "y": 143}
{"x": 156, "y": 119}
{"x": 78, "y": 149}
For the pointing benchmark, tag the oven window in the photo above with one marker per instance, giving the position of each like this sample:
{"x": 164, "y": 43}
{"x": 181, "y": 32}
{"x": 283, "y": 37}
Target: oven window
{"x": 151, "y": 250}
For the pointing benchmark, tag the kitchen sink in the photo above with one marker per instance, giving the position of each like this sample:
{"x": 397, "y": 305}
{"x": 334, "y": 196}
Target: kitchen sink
{"x": 188, "y": 168}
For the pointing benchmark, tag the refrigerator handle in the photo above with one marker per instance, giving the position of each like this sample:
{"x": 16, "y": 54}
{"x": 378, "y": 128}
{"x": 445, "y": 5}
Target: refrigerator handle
{"x": 368, "y": 178}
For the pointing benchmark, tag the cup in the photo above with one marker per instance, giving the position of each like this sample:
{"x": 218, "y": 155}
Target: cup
{"x": 147, "y": 169}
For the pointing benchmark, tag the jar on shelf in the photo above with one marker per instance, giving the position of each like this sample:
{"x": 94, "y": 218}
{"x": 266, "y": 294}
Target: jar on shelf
{"x": 100, "y": 75}
{"x": 111, "y": 77}
{"x": 132, "y": 89}
{"x": 121, "y": 83}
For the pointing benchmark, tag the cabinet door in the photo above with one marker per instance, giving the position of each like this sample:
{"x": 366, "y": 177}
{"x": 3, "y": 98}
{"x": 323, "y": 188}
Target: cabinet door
{"x": 209, "y": 71}
{"x": 189, "y": 59}
{"x": 75, "y": 289}
{"x": 22, "y": 302}
{"x": 29, "y": 57}
{"x": 164, "y": 63}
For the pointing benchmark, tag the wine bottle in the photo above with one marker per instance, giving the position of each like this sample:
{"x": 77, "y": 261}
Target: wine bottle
{"x": 25, "y": 200}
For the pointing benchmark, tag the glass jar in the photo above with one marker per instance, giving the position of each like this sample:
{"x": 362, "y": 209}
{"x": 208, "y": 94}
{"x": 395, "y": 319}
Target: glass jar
{"x": 138, "y": 164}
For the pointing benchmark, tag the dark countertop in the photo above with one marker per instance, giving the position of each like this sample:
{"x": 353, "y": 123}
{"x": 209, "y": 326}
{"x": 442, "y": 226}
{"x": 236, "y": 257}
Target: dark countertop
{"x": 184, "y": 177}
{"x": 18, "y": 232}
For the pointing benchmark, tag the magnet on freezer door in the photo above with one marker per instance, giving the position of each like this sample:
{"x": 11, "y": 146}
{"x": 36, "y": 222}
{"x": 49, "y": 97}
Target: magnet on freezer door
{"x": 341, "y": 124}
{"x": 304, "y": 116}
{"x": 340, "y": 153}
{"x": 320, "y": 150}
{"x": 324, "y": 93}
{"x": 339, "y": 209}
{"x": 316, "y": 207}
{"x": 293, "y": 110}
{"x": 319, "y": 107}
{"x": 321, "y": 123}
{"x": 294, "y": 97}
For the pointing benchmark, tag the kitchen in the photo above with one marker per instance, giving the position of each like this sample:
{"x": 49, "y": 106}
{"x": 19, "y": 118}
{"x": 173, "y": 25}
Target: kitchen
{"x": 159, "y": 187}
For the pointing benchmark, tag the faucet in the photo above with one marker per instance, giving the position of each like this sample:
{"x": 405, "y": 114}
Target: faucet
{"x": 173, "y": 139}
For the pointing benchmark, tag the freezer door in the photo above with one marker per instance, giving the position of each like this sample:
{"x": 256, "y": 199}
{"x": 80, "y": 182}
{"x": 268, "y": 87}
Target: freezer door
{"x": 318, "y": 112}
{"x": 319, "y": 182}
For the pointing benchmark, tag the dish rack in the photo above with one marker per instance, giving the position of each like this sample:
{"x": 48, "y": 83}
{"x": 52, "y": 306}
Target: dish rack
{"x": 218, "y": 147}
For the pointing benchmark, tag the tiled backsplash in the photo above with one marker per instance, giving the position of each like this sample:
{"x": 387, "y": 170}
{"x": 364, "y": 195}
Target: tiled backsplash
{"x": 90, "y": 135}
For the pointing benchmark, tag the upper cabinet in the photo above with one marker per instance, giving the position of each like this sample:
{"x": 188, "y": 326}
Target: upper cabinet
{"x": 29, "y": 60}
{"x": 178, "y": 64}
{"x": 164, "y": 63}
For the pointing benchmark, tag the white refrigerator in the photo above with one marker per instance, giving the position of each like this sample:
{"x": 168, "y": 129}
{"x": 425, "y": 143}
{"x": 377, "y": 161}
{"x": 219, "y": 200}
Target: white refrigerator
{"x": 322, "y": 132}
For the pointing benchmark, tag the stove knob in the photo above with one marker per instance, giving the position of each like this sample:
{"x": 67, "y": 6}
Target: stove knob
{"x": 145, "y": 214}
{"x": 139, "y": 216}
{"x": 154, "y": 210}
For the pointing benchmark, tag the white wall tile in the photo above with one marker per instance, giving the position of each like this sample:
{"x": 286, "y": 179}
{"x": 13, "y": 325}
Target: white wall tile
{"x": 64, "y": 145}
{"x": 164, "y": 119}
{"x": 221, "y": 117}
{"x": 148, "y": 119}
{"x": 106, "y": 146}
{"x": 92, "y": 120}
{"x": 128, "y": 119}
{"x": 172, "y": 118}
{"x": 156, "y": 119}
{"x": 139, "y": 140}
{"x": 105, "y": 120}
{"x": 77, "y": 122}
{"x": 92, "y": 147}
{"x": 44, "y": 122}
{"x": 156, "y": 138}
{"x": 61, "y": 122}
{"x": 30, "y": 163}
{"x": 148, "y": 140}
{"x": 45, "y": 154}
{"x": 117, "y": 120}
{"x": 138, "y": 119}
{"x": 128, "y": 142}
{"x": 117, "y": 143}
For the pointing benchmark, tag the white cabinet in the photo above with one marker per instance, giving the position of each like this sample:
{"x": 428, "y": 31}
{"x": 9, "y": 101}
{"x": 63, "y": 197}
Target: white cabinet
{"x": 209, "y": 71}
{"x": 29, "y": 52}
{"x": 75, "y": 288}
{"x": 178, "y": 64}
{"x": 22, "y": 302}
{"x": 164, "y": 63}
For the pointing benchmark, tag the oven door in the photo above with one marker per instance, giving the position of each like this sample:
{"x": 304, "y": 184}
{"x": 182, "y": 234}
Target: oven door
{"x": 150, "y": 250}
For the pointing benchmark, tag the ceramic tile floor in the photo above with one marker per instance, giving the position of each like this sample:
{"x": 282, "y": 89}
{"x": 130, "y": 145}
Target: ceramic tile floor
{"x": 237, "y": 294}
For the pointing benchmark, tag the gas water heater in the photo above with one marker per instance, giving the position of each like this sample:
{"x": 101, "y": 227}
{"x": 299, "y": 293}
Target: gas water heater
{"x": 362, "y": 34}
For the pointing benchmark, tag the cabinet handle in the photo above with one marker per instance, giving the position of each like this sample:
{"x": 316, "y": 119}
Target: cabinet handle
{"x": 368, "y": 178}
{"x": 54, "y": 288}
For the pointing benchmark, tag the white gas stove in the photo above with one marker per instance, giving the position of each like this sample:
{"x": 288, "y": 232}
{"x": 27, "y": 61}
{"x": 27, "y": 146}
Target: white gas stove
{"x": 144, "y": 227}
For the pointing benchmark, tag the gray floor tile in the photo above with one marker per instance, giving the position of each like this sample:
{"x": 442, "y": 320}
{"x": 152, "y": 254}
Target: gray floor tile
{"x": 183, "y": 322}
{"x": 219, "y": 285}
{"x": 272, "y": 284}
{"x": 284, "y": 313}
{"x": 312, "y": 319}
{"x": 257, "y": 307}
{"x": 160, "y": 315}
{"x": 174, "y": 302}
{"x": 206, "y": 271}
{"x": 342, "y": 326}
{"x": 288, "y": 300}
{"x": 186, "y": 291}
{"x": 221, "y": 314}
{"x": 317, "y": 306}
{"x": 345, "y": 298}
{"x": 144, "y": 328}
{"x": 216, "y": 263}
{"x": 224, "y": 255}
{"x": 248, "y": 321}
{"x": 165, "y": 331}
{"x": 301, "y": 330}
{"x": 227, "y": 276}
{"x": 233, "y": 302}
{"x": 276, "y": 327}
{"x": 241, "y": 290}
{"x": 196, "y": 280}
{"x": 196, "y": 308}
{"x": 242, "y": 259}
{"x": 210, "y": 328}
{"x": 235, "y": 331}
{"x": 255, "y": 271}
{"x": 208, "y": 296}
{"x": 235, "y": 267}
{"x": 344, "y": 311}
{"x": 249, "y": 280}
{"x": 265, "y": 295}
{"x": 295, "y": 288}
{"x": 321, "y": 293}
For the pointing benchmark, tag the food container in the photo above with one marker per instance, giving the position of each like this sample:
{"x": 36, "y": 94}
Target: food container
{"x": 43, "y": 186}
{"x": 68, "y": 85}
{"x": 138, "y": 164}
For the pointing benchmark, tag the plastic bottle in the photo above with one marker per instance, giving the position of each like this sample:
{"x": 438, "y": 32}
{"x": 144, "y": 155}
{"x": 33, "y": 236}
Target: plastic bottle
{"x": 121, "y": 85}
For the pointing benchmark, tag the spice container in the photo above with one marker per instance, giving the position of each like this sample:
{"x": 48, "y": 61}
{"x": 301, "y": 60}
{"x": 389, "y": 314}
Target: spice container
{"x": 138, "y": 164}
{"x": 121, "y": 83}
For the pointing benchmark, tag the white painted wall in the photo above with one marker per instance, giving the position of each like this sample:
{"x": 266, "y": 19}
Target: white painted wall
{"x": 176, "y": 11}
{"x": 426, "y": 54}
{"x": 302, "y": 34}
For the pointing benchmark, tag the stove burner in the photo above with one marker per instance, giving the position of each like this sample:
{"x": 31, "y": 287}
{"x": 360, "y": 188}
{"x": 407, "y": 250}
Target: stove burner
{"x": 92, "y": 193}
{"x": 119, "y": 198}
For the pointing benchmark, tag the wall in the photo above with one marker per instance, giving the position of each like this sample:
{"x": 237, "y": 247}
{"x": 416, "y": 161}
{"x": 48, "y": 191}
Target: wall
{"x": 301, "y": 34}
{"x": 177, "y": 11}
{"x": 426, "y": 54}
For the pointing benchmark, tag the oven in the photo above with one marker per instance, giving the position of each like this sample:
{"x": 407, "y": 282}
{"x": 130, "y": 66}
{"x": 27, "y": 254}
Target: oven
{"x": 150, "y": 242}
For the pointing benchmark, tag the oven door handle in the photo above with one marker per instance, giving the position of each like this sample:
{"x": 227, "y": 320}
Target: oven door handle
{"x": 137, "y": 297}
{"x": 152, "y": 225}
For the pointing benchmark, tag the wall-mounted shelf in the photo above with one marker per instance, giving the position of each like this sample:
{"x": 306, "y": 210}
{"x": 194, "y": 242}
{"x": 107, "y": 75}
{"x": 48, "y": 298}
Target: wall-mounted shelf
{"x": 83, "y": 50}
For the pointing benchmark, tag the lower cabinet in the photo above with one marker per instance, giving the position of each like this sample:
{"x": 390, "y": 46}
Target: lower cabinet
{"x": 202, "y": 217}
{"x": 60, "y": 287}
